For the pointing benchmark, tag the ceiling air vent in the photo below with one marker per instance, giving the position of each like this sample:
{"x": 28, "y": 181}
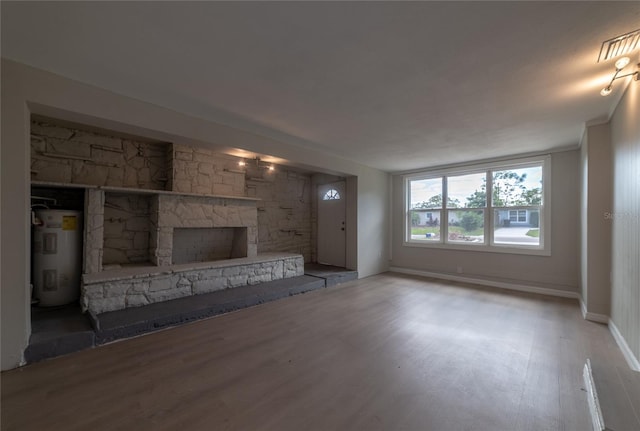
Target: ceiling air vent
{"x": 619, "y": 45}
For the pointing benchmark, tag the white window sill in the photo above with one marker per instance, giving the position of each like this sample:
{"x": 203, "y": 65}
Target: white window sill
{"x": 484, "y": 248}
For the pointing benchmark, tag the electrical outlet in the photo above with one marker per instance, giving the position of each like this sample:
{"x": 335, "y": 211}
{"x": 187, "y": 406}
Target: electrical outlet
{"x": 459, "y": 270}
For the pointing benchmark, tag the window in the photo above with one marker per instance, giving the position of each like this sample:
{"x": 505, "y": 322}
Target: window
{"x": 331, "y": 195}
{"x": 491, "y": 207}
{"x": 466, "y": 224}
{"x": 517, "y": 199}
{"x": 517, "y": 216}
{"x": 425, "y": 209}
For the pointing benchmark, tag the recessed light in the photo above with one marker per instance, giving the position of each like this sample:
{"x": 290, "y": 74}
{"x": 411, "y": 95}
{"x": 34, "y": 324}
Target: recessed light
{"x": 622, "y": 63}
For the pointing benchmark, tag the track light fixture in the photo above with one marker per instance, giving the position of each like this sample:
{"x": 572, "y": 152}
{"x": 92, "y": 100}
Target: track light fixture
{"x": 620, "y": 64}
{"x": 259, "y": 164}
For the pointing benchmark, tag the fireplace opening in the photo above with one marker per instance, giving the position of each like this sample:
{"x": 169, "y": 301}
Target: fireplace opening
{"x": 208, "y": 244}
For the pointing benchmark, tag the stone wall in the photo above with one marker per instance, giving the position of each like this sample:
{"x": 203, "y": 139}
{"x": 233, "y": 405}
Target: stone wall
{"x": 123, "y": 228}
{"x": 69, "y": 155}
{"x": 202, "y": 171}
{"x": 93, "y": 230}
{"x": 127, "y": 224}
{"x": 101, "y": 294}
{"x": 284, "y": 211}
{"x": 60, "y": 153}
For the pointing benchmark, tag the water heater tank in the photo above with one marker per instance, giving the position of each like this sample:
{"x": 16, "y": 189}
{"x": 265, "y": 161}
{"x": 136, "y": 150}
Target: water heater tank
{"x": 57, "y": 256}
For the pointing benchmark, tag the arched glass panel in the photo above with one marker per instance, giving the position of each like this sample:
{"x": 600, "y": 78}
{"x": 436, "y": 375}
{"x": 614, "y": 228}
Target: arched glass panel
{"x": 331, "y": 195}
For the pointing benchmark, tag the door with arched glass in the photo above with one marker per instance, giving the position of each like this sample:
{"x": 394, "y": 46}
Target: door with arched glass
{"x": 331, "y": 224}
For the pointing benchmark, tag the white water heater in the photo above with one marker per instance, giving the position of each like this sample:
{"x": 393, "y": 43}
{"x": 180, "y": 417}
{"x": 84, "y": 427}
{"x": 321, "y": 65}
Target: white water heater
{"x": 57, "y": 256}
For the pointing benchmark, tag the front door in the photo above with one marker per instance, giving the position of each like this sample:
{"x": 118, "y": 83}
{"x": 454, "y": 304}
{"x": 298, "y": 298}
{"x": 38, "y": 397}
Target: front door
{"x": 331, "y": 224}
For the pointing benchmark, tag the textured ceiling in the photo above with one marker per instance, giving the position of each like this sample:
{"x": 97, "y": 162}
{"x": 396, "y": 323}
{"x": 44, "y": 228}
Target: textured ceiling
{"x": 391, "y": 85}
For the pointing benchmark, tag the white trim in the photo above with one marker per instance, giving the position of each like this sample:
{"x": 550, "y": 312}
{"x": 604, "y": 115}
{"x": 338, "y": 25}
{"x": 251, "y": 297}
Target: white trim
{"x": 583, "y": 135}
{"x": 592, "y": 398}
{"x": 592, "y": 317}
{"x": 496, "y": 248}
{"x": 632, "y": 361}
{"x": 471, "y": 163}
{"x": 478, "y": 168}
{"x": 391, "y": 220}
{"x": 491, "y": 283}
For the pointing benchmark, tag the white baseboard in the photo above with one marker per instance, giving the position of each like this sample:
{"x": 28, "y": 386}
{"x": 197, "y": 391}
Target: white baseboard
{"x": 491, "y": 283}
{"x": 593, "y": 317}
{"x": 592, "y": 398}
{"x": 633, "y": 362}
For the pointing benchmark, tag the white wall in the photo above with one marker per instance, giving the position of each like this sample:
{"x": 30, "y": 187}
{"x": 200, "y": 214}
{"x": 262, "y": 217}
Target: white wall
{"x": 595, "y": 231}
{"x": 558, "y": 271}
{"x": 373, "y": 222}
{"x": 625, "y": 256}
{"x": 15, "y": 229}
{"x": 26, "y": 90}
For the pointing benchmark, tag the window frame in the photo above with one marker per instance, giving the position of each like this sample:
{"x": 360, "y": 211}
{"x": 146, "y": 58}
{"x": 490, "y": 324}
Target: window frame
{"x": 489, "y": 245}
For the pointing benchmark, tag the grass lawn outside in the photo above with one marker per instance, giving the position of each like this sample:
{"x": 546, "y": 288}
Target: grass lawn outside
{"x": 534, "y": 233}
{"x": 424, "y": 230}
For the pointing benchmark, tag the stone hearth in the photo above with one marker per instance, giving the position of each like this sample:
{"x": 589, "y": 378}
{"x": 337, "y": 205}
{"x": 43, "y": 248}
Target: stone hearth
{"x": 137, "y": 286}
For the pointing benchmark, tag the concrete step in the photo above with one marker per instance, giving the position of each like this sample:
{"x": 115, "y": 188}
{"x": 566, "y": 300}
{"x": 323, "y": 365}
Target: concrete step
{"x": 333, "y": 275}
{"x": 130, "y": 322}
{"x": 57, "y": 331}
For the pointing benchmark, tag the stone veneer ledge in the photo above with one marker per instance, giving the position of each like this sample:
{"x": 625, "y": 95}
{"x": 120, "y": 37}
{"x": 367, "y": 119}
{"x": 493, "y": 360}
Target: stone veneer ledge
{"x": 139, "y": 191}
{"x": 136, "y": 286}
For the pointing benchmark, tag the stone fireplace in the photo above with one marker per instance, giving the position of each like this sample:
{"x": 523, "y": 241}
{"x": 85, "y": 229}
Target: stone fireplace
{"x": 232, "y": 220}
{"x": 198, "y": 228}
{"x": 197, "y": 244}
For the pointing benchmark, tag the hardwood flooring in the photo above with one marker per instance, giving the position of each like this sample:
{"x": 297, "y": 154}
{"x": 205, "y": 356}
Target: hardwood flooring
{"x": 389, "y": 352}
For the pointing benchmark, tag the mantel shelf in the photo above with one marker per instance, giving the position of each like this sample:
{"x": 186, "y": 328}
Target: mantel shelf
{"x": 136, "y": 191}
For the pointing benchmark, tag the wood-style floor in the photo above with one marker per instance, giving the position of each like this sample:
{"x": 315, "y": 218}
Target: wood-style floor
{"x": 389, "y": 352}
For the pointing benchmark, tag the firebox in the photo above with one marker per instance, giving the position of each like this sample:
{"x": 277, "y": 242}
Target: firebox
{"x": 208, "y": 244}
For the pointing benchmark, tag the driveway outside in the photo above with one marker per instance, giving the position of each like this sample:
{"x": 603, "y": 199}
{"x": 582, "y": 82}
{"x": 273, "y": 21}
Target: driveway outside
{"x": 514, "y": 235}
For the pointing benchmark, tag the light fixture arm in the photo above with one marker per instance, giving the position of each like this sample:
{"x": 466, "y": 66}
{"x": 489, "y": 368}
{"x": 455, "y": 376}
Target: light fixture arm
{"x": 629, "y": 74}
{"x": 607, "y": 90}
{"x": 615, "y": 75}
